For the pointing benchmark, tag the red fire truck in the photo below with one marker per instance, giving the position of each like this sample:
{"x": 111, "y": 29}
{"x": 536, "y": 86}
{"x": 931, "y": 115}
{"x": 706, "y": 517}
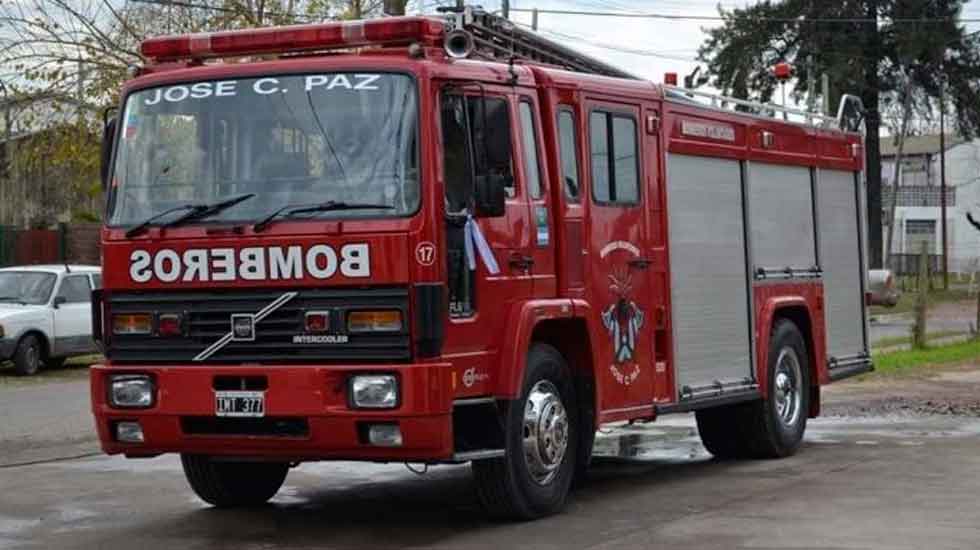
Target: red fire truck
{"x": 447, "y": 240}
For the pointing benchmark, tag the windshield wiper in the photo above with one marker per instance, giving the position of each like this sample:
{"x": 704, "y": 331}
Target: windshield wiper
{"x": 328, "y": 206}
{"x": 13, "y": 299}
{"x": 194, "y": 212}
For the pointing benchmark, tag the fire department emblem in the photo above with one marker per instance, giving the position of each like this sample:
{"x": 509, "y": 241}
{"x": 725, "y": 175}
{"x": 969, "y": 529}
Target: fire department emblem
{"x": 623, "y": 318}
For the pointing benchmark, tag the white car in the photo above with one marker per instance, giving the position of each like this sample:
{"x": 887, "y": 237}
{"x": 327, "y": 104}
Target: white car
{"x": 46, "y": 314}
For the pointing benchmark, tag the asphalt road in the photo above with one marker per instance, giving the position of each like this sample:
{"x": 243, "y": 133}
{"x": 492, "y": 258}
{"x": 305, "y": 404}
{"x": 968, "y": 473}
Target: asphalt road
{"x": 871, "y": 482}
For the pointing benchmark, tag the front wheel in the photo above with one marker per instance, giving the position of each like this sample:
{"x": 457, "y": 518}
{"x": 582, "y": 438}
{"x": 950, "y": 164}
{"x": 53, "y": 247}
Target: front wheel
{"x": 233, "y": 484}
{"x": 533, "y": 479}
{"x": 28, "y": 356}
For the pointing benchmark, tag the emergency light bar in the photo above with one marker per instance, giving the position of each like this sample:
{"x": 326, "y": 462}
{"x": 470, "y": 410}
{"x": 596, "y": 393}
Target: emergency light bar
{"x": 388, "y": 31}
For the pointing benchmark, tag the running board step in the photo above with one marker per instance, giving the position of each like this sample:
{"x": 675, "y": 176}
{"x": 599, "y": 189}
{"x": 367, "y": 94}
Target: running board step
{"x": 481, "y": 454}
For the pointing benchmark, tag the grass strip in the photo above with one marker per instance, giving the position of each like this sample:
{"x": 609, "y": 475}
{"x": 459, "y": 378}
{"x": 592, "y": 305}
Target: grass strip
{"x": 895, "y": 361}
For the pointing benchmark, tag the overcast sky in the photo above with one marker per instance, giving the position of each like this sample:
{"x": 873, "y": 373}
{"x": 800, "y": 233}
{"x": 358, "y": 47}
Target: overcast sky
{"x": 661, "y": 46}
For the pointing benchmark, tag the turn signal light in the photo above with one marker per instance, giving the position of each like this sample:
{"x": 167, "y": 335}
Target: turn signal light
{"x": 374, "y": 321}
{"x": 132, "y": 323}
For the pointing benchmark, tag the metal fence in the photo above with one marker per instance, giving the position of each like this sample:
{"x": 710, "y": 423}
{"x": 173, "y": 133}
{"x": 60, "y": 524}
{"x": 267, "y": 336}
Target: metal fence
{"x": 908, "y": 264}
{"x": 31, "y": 246}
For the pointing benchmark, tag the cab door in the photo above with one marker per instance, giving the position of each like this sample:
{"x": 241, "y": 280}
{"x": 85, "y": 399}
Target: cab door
{"x": 618, "y": 258}
{"x": 479, "y": 300}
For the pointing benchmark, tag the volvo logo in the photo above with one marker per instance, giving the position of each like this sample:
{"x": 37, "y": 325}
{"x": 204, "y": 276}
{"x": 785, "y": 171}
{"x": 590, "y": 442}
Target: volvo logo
{"x": 242, "y": 327}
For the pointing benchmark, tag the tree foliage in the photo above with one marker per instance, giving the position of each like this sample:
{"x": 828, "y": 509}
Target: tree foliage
{"x": 870, "y": 48}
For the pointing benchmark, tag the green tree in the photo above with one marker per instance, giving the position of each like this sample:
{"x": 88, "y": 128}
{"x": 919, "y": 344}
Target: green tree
{"x": 870, "y": 48}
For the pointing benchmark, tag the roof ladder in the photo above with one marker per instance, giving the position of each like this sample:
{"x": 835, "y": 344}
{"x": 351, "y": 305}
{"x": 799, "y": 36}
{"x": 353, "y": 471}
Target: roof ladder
{"x": 473, "y": 31}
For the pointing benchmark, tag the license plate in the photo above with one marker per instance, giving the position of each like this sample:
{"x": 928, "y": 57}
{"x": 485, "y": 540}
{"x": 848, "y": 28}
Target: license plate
{"x": 239, "y": 403}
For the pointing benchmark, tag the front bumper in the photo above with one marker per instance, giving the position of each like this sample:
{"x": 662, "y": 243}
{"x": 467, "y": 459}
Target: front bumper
{"x": 314, "y": 395}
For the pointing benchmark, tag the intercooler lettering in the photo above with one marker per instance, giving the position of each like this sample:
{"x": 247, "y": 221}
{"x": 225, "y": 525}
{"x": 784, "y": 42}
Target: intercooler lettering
{"x": 319, "y": 261}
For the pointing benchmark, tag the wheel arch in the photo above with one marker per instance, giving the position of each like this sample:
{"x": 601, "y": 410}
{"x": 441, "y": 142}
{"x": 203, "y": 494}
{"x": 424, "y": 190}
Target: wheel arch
{"x": 45, "y": 344}
{"x": 798, "y": 311}
{"x": 560, "y": 324}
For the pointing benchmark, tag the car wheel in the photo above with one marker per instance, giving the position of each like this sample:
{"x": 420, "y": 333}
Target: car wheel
{"x": 233, "y": 484}
{"x": 533, "y": 478}
{"x": 28, "y": 355}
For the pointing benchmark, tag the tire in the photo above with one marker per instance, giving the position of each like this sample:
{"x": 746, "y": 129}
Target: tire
{"x": 760, "y": 429}
{"x": 534, "y": 477}
{"x": 28, "y": 355}
{"x": 54, "y": 362}
{"x": 719, "y": 431}
{"x": 774, "y": 427}
{"x": 233, "y": 484}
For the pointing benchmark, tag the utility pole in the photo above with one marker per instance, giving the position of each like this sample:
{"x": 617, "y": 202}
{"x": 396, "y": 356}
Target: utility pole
{"x": 534, "y": 19}
{"x": 811, "y": 85}
{"x": 505, "y": 8}
{"x": 825, "y": 92}
{"x": 942, "y": 176}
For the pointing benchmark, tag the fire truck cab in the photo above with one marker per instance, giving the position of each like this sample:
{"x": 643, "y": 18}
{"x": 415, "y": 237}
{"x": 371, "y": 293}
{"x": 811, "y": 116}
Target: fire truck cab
{"x": 447, "y": 240}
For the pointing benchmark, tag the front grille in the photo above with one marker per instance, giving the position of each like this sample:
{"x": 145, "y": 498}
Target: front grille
{"x": 207, "y": 319}
{"x": 260, "y": 427}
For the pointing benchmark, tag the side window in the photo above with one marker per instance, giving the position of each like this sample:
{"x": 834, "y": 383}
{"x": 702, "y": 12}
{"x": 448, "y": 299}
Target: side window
{"x": 530, "y": 142}
{"x": 476, "y": 141}
{"x": 615, "y": 157}
{"x": 567, "y": 147}
{"x": 75, "y": 289}
{"x": 96, "y": 281}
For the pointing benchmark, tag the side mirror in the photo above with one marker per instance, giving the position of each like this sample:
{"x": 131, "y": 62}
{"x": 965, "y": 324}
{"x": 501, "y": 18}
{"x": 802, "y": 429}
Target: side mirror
{"x": 108, "y": 137}
{"x": 58, "y": 300}
{"x": 490, "y": 194}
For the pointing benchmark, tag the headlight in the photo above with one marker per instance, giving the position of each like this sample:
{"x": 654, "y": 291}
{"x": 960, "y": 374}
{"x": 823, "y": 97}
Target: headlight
{"x": 131, "y": 391}
{"x": 374, "y": 321}
{"x": 375, "y": 391}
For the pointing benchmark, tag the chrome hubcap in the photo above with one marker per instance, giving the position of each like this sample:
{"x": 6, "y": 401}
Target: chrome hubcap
{"x": 788, "y": 390}
{"x": 31, "y": 356}
{"x": 545, "y": 432}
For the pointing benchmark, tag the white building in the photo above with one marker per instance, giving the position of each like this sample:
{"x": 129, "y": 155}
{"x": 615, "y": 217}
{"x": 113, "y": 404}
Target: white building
{"x": 918, "y": 211}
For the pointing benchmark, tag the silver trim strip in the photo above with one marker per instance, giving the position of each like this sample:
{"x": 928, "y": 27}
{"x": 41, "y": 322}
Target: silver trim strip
{"x": 262, "y": 314}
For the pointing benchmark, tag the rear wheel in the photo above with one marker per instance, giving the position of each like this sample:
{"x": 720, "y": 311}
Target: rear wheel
{"x": 533, "y": 479}
{"x": 769, "y": 428}
{"x": 233, "y": 484}
{"x": 28, "y": 355}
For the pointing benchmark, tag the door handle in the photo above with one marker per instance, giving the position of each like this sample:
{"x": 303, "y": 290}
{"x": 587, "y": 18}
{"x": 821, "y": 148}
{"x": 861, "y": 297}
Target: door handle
{"x": 640, "y": 263}
{"x": 520, "y": 261}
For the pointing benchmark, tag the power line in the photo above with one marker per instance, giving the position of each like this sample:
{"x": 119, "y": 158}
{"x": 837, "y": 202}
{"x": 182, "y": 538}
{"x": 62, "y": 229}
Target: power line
{"x": 681, "y": 17}
{"x": 222, "y": 9}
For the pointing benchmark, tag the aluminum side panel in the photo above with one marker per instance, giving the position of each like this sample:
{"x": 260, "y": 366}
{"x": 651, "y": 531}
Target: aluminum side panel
{"x": 709, "y": 286}
{"x": 840, "y": 254}
{"x": 781, "y": 210}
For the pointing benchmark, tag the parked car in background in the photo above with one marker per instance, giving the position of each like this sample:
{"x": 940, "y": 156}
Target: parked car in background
{"x": 45, "y": 314}
{"x": 884, "y": 291}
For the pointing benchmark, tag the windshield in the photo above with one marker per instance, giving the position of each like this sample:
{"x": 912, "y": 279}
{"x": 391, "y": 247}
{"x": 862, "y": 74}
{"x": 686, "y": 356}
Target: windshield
{"x": 302, "y": 139}
{"x": 29, "y": 287}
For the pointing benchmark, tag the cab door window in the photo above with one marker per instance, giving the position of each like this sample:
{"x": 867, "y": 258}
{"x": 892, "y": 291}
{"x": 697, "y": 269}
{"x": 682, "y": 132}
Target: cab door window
{"x": 467, "y": 123}
{"x": 567, "y": 147}
{"x": 614, "y": 150}
{"x": 532, "y": 169}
